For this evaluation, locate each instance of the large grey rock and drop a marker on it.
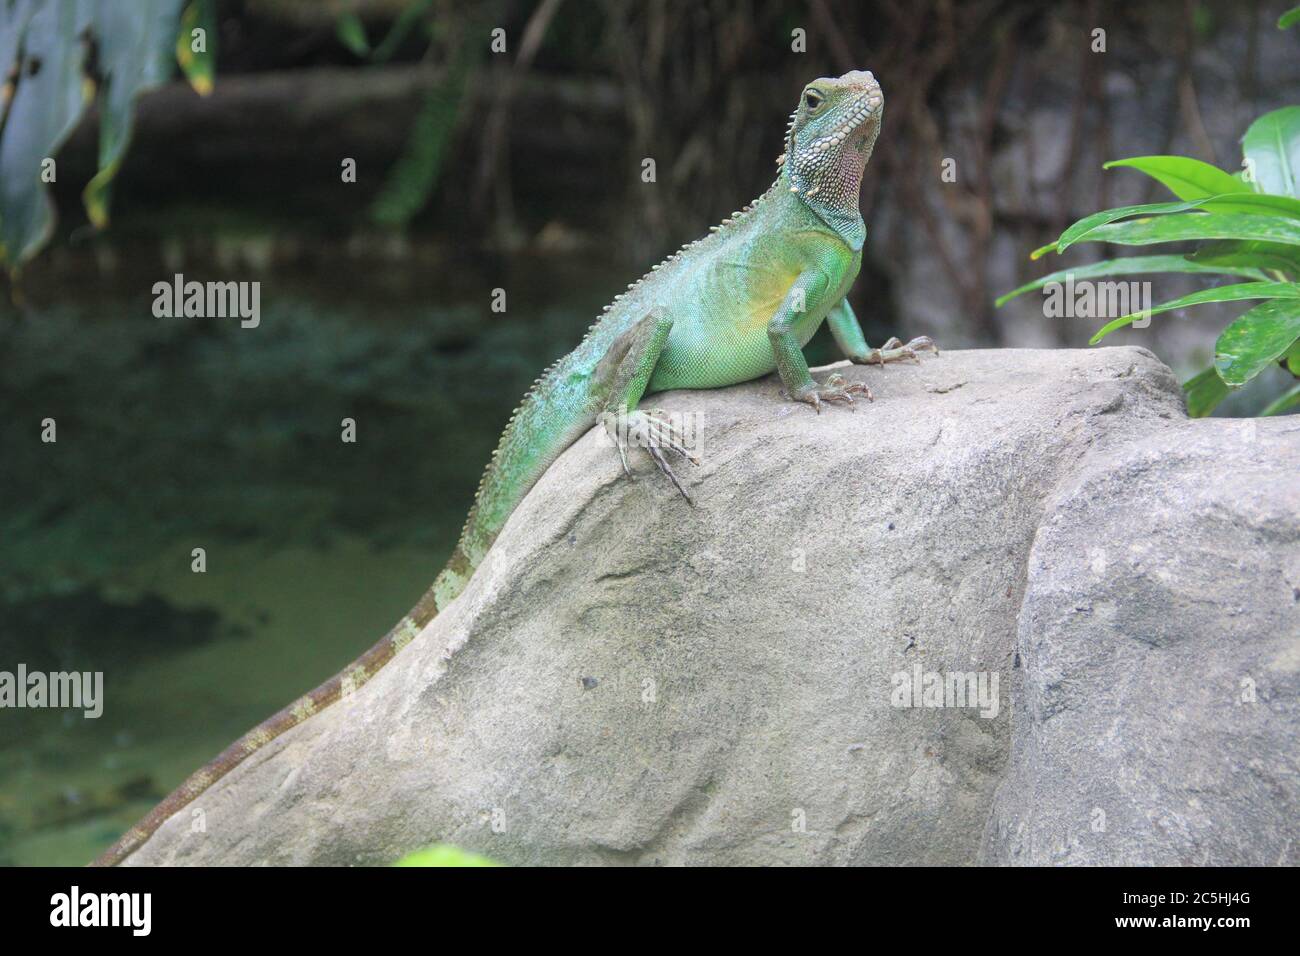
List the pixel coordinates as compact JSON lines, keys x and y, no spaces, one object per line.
{"x":1154,"y":714}
{"x":629,"y":679}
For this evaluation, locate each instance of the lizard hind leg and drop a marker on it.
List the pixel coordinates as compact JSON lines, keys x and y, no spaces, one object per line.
{"x":621,"y":379}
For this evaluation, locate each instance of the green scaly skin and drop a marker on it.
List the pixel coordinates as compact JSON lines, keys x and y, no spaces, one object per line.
{"x":725,"y":309}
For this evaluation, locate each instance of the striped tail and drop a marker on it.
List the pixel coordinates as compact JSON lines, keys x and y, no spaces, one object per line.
{"x":338,"y":686}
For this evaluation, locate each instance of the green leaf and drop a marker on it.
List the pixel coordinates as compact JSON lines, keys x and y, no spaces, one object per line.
{"x":1247,"y":203}
{"x":1080,"y":230}
{"x":1254,"y":204}
{"x":1185,"y":177}
{"x":136,"y":47}
{"x":1293,"y":359}
{"x":1256,"y":340}
{"x":1272,"y":145}
{"x":411,"y":181}
{"x":1204,"y":391}
{"x":1289,"y":19}
{"x":1133,"y":265}
{"x":134,"y":43}
{"x":1223,"y":293}
{"x":198,"y":65}
{"x":1260,"y":255}
{"x":442,"y":854}
{"x":14,"y":18}
{"x":1284,"y":402}
{"x":47,"y":101}
{"x":352,"y":34}
{"x":411,"y":14}
{"x":1141,"y":232}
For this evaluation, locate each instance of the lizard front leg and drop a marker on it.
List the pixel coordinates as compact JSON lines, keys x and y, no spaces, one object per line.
{"x":804,"y":296}
{"x":847,"y":332}
{"x":620,"y":380}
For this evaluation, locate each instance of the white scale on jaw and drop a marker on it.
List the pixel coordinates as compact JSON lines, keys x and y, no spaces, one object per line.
{"x":863,"y":108}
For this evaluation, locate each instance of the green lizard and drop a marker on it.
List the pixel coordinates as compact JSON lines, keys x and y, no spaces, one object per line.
{"x":725,"y":309}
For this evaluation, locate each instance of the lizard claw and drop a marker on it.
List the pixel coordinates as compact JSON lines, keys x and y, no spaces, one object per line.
{"x":656,"y":434}
{"x":834,"y":390}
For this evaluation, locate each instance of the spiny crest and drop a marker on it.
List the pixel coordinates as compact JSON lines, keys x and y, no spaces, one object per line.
{"x":737,"y":216}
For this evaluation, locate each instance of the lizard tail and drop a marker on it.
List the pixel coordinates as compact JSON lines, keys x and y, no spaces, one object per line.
{"x":338,"y":686}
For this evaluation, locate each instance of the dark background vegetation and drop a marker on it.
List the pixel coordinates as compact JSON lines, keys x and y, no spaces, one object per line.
{"x":479,"y":171}
{"x":539,"y":148}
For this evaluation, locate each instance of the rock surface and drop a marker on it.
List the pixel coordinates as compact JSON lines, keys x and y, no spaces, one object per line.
{"x":1155,"y":713}
{"x":630,"y":680}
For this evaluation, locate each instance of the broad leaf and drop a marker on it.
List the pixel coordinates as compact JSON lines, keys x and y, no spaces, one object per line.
{"x":1141,"y":232}
{"x":14,"y":17}
{"x":1245,"y":203}
{"x":46,"y":103}
{"x":1284,"y":402}
{"x":1289,"y":19}
{"x":1272,"y":144}
{"x":1204,"y":391}
{"x":1261,"y":255}
{"x":1255,"y":204}
{"x":1185,"y":177}
{"x":1223,"y":293}
{"x":134,"y":43}
{"x":198,"y":65}
{"x":1080,"y":229}
{"x":136,"y":46}
{"x":1256,"y":340}
{"x":1134,"y":265}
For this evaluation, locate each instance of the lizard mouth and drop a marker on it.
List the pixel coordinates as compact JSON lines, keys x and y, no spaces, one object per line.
{"x":854,"y":125}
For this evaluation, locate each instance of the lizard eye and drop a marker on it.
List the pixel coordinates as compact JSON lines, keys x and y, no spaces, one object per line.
{"x":813,"y":99}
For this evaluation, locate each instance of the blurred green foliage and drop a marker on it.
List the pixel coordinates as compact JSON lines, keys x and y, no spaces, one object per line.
{"x":442,"y":854}
{"x":1249,"y":226}
{"x":61,"y":58}
{"x":413,"y":178}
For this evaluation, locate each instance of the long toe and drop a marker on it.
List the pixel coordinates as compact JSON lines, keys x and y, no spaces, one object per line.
{"x":667,"y":469}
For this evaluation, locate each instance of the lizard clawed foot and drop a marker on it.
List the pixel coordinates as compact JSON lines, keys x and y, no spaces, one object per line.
{"x":835,"y":389}
{"x":895,"y":351}
{"x":656,"y":434}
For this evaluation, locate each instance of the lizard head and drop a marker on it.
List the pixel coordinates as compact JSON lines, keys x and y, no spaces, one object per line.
{"x":831,"y":135}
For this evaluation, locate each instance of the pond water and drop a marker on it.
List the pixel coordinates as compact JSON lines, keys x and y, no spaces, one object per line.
{"x":177,"y":434}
